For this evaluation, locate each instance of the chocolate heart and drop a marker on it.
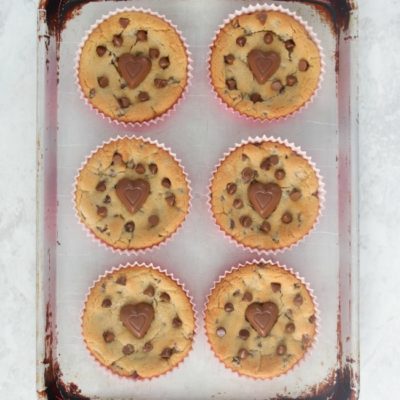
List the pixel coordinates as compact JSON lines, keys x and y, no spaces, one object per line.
{"x":137,"y":318}
{"x":262,"y":316}
{"x":133,"y":69}
{"x":264,"y":197}
{"x":132,"y":194}
{"x":263,"y":64}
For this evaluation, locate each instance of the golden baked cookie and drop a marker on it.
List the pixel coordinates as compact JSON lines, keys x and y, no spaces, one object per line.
{"x":131,"y":194}
{"x":265,"y":64}
{"x":260,"y":320}
{"x":138,"y":322}
{"x":133,"y":66}
{"x":265,"y":195}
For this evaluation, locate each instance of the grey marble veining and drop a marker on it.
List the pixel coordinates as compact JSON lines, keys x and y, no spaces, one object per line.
{"x":379,"y":214}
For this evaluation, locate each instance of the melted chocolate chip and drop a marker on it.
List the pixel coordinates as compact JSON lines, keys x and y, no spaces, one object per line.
{"x":303,"y":65}
{"x":281,"y":350}
{"x":287,"y":218}
{"x":244,"y":334}
{"x":106,"y":303}
{"x":231,"y":84}
{"x":235,"y":23}
{"x":248,"y":174}
{"x":160,"y":83}
{"x":247,"y":297}
{"x":221,"y":332}
{"x":164,"y":62}
{"x":166,"y":353}
{"x":238,"y":204}
{"x":231,"y":223}
{"x":129,"y":226}
{"x":268,"y":38}
{"x":154,"y":53}
{"x":290,"y":327}
{"x":102,"y":212}
{"x":165,"y":297}
{"x":291,"y":80}
{"x":103,"y":81}
{"x":117,"y":40}
{"x":166,"y":183}
{"x":153,"y":168}
{"x":312,"y":319}
{"x":280,"y":174}
{"x":170,"y":199}
{"x":92,"y":93}
{"x":121,"y":280}
{"x":149,"y":291}
{"x":124,"y":102}
{"x":176,"y":322}
{"x":108,"y":336}
{"x":229,"y":59}
{"x":277,"y":86}
{"x":290,"y":44}
{"x":231,"y":188}
{"x":256,"y":98}
{"x":241,"y":41}
{"x":245,"y":221}
{"x":295,"y":194}
{"x":143,"y":96}
{"x":147,"y":347}
{"x":128,"y":349}
{"x":117,"y":158}
{"x":265,"y":227}
{"x":275,"y":286}
{"x":262,"y":17}
{"x":101,"y":50}
{"x":298,"y":299}
{"x":153,"y":220}
{"x":243,"y":354}
{"x":140,"y":169}
{"x":101,"y":186}
{"x":228,"y":307}
{"x":124,"y":22}
{"x":107,"y":200}
{"x":141,"y":35}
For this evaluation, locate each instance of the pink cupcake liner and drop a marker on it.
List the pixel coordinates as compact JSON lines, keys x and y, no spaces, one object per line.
{"x":97,"y":240}
{"x":266,"y":7}
{"x":158,"y":118}
{"x":169,"y":275}
{"x":321,"y":194}
{"x":315,"y":339}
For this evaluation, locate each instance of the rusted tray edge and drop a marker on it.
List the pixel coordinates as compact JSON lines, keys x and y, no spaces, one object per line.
{"x":344,"y":383}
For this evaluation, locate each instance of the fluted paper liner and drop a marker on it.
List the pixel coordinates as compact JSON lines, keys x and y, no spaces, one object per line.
{"x":158,"y":118}
{"x":321,"y":193}
{"x":310,"y":31}
{"x":167,"y":274}
{"x":313,"y":343}
{"x":106,"y":245}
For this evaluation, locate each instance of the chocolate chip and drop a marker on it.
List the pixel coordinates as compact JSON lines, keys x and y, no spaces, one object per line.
{"x":170,"y":199}
{"x":102,"y":211}
{"x":243,"y":354}
{"x":221,"y":332}
{"x":248,"y":174}
{"x":101,"y":186}
{"x":149,"y":291}
{"x":160,"y":83}
{"x":101,"y":50}
{"x":231,"y":188}
{"x":124,"y":102}
{"x":262,"y":17}
{"x":166,"y":353}
{"x":305,"y":341}
{"x":229,"y":59}
{"x":244,"y":334}
{"x":231,"y":84}
{"x":303,"y":65}
{"x":121,"y":280}
{"x":128,"y":349}
{"x":236,"y":293}
{"x":298,"y":299}
{"x":165,"y":297}
{"x":287,"y":218}
{"x":164,"y":62}
{"x":106,"y":303}
{"x":280,"y":174}
{"x":124,"y":22}
{"x":166,"y":183}
{"x":153,"y":220}
{"x":265,"y":164}
{"x":147,"y":347}
{"x":295,"y":194}
{"x":117,"y":40}
{"x":245,"y":157}
{"x":140,"y":169}
{"x":107,"y":200}
{"x":268,"y":38}
{"x":92,"y":93}
{"x":290,"y":44}
{"x":291,"y":80}
{"x":143,"y":96}
{"x":228,"y":307}
{"x":102,"y":81}
{"x":312,"y":319}
{"x":277,"y":86}
{"x":176,"y":322}
{"x":117,"y":158}
{"x":153,"y":168}
{"x":265,"y":227}
{"x":154,"y":53}
{"x":231,"y":223}
{"x":108,"y":336}
{"x":275,"y":286}
{"x":235,"y":23}
{"x":247,"y":297}
{"x":290,"y":327}
{"x":129,"y":226}
{"x":256,"y":98}
{"x":238,"y":204}
{"x":281,"y":350}
{"x":245,"y":221}
{"x":141,"y":35}
{"x":135,"y":375}
{"x":123,"y":85}
{"x":241,"y":41}
{"x":274,"y":159}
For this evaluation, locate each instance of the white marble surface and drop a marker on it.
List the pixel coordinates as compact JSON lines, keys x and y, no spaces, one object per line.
{"x":379,"y":214}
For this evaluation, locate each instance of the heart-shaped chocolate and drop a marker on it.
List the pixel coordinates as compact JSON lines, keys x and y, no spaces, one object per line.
{"x":132,"y":194}
{"x":264,"y":197}
{"x":137,"y":318}
{"x":263,"y":64}
{"x":262,"y":317}
{"x":134,"y":69}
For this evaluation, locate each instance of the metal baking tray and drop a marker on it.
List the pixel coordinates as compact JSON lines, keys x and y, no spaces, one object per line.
{"x":68,"y":262}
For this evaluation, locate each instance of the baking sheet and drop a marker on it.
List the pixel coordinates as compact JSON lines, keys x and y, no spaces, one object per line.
{"x":199,"y":132}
